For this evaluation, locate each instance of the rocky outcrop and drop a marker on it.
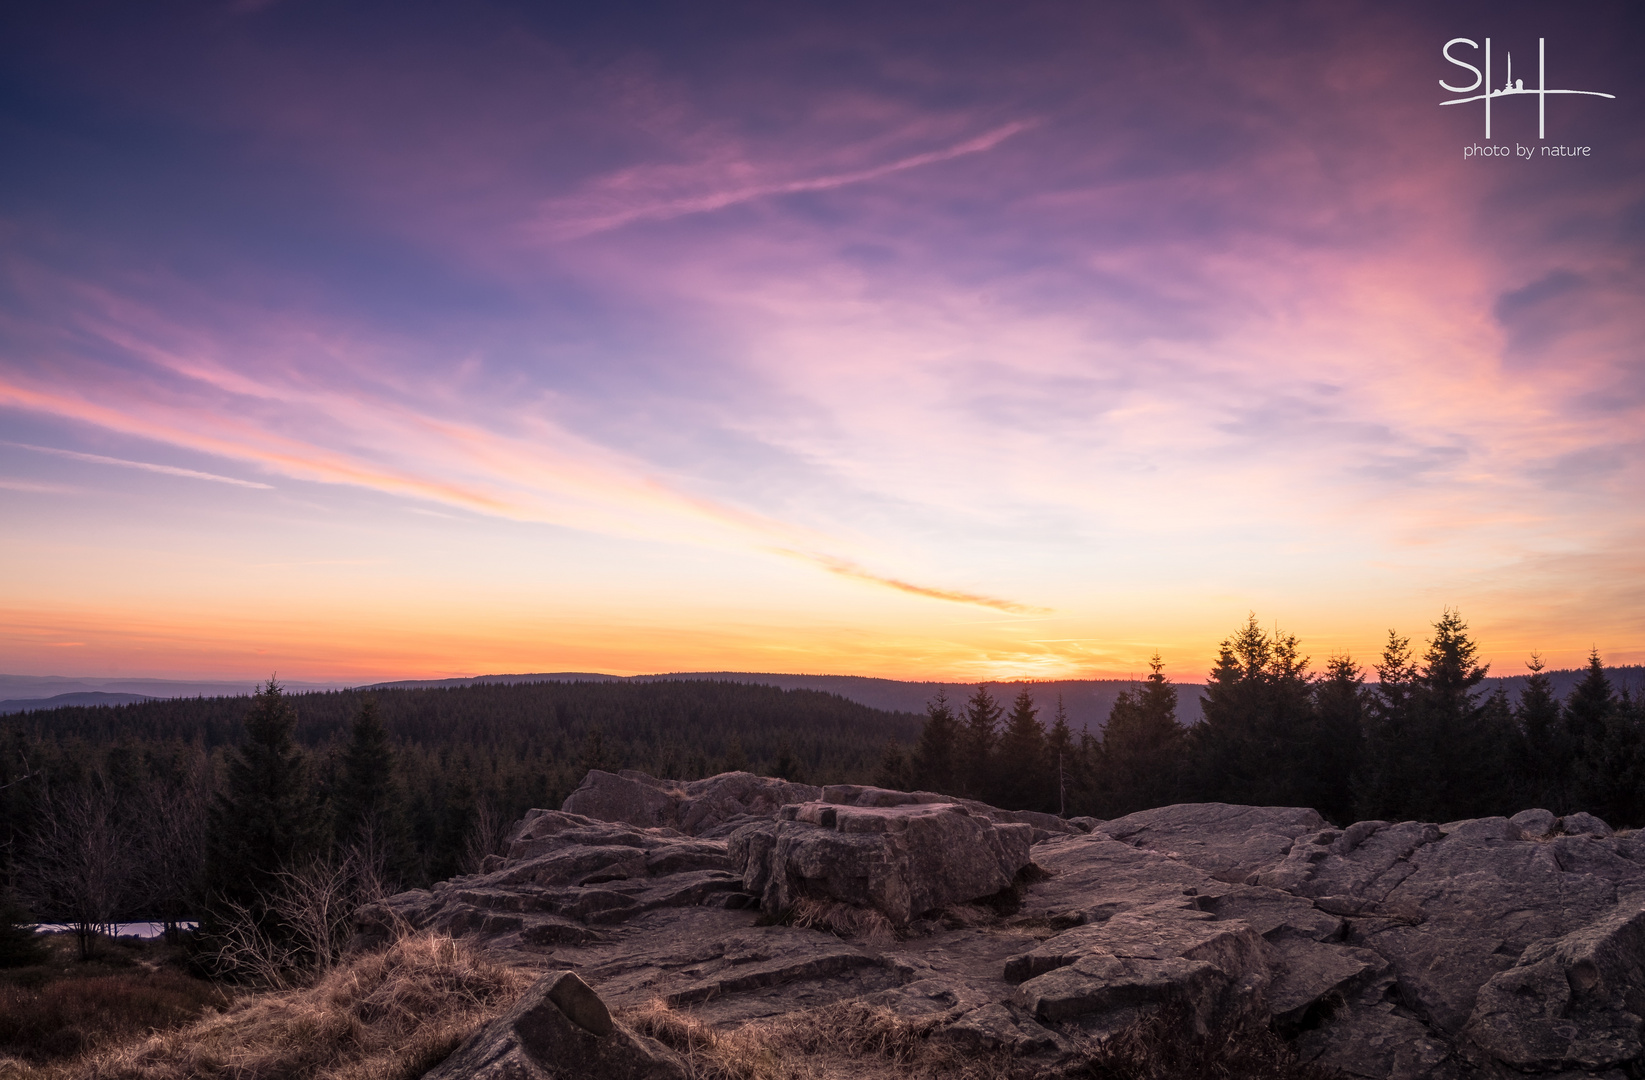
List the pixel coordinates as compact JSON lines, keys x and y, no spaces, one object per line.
{"x":1573,"y":1003}
{"x":708,"y":807}
{"x":560,"y":1030}
{"x":900,"y":861}
{"x":717,"y":806}
{"x":1492,"y":947}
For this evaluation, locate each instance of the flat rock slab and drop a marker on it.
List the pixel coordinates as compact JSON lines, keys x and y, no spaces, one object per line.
{"x":1228,"y":842}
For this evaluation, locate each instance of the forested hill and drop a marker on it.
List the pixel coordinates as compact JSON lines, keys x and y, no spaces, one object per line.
{"x":1086,"y":701}
{"x":464,"y":761}
{"x":1629,"y":677}
{"x":675,"y":728}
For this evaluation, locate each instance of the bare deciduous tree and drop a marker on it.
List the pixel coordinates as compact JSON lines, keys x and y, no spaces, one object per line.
{"x":173,"y":819}
{"x":83,"y":864}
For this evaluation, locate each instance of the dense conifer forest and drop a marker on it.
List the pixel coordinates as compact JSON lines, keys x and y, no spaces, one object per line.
{"x":187,"y":807}
{"x":1417,"y":737}
{"x":435,"y":775}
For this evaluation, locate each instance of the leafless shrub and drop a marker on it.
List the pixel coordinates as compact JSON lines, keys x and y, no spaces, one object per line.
{"x":488,"y":835}
{"x":299,"y":931}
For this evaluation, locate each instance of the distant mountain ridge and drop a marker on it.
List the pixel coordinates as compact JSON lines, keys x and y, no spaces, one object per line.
{"x":1087,"y":701}
{"x":15,"y":688}
{"x":93,"y":697}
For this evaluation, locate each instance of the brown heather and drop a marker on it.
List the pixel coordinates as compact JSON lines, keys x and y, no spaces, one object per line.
{"x":389,"y":1015}
{"x":69,"y":1016}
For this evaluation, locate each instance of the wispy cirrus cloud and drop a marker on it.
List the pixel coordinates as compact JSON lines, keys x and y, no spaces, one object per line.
{"x":146,"y":466}
{"x":847,"y":569}
{"x":38,"y":487}
{"x":621,"y":200}
{"x":518,"y":464}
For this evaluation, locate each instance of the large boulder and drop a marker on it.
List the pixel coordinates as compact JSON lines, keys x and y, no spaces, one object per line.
{"x":559,"y":1030}
{"x":901,"y":861}
{"x":1216,"y":970}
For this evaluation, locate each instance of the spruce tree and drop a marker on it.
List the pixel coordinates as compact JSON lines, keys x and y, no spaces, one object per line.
{"x":1600,"y":728}
{"x":977,"y":738}
{"x":1340,"y":711}
{"x":1433,"y":751}
{"x":1548,"y":755}
{"x":936,"y":756}
{"x":736,"y":758}
{"x":264,"y":819}
{"x":1469,"y":739}
{"x":1021,"y":775}
{"x":896,"y":771}
{"x":1059,"y":758}
{"x":369,"y":806}
{"x":1613,"y":787}
{"x":1256,"y":739}
{"x":788,"y":766}
{"x":1142,"y":748}
{"x":1391,"y":751}
{"x":458,"y":814}
{"x":596,"y":755}
{"x":1589,"y":705}
{"x":1085,"y":790}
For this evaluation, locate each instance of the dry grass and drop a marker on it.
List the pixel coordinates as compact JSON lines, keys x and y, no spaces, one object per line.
{"x":389,"y":1015}
{"x":840,"y":919}
{"x":849,"y":1039}
{"x":865,"y":1042}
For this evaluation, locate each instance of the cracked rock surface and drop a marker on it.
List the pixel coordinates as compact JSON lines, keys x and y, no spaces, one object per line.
{"x":1493,"y":947}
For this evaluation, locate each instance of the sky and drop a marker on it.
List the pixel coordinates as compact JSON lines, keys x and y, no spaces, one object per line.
{"x":960,"y":341}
